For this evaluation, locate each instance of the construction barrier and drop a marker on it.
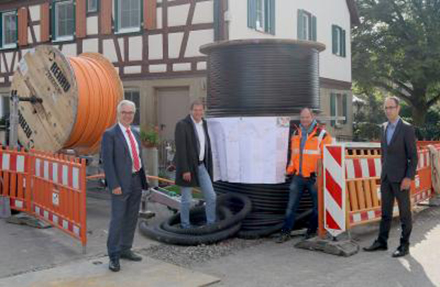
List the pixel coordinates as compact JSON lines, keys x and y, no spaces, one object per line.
{"x":59,"y":192}
{"x":351,"y":186}
{"x":47,"y":186}
{"x":15,"y":178}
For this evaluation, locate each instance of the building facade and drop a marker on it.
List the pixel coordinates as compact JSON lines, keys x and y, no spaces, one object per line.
{"x":154,"y":44}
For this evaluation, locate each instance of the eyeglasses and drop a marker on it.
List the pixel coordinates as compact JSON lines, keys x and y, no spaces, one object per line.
{"x":127,"y":113}
{"x":390,"y":108}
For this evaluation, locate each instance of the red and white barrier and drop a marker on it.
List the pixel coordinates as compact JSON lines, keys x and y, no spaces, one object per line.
{"x":334,"y":189}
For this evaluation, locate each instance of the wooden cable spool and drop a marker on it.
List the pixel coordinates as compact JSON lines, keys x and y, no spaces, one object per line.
{"x":79,"y":98}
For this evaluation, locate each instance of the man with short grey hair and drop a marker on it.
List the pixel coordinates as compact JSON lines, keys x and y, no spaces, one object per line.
{"x":125,"y":176}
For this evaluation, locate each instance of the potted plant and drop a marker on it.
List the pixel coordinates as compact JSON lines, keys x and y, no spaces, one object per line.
{"x":150,"y":136}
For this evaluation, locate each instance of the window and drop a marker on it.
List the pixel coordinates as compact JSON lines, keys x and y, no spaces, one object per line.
{"x":63,"y":17}
{"x":338,"y":41}
{"x":306,"y":26}
{"x":92,"y":5}
{"x":9,"y":29}
{"x":261,"y":15}
{"x":128,"y":15}
{"x":338,"y":108}
{"x":134,"y":96}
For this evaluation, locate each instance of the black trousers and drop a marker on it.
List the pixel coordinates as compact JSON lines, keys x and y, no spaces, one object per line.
{"x":389,"y":192}
{"x":124,"y":216}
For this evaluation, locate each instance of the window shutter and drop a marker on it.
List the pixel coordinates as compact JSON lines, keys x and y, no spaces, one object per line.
{"x":105,"y":16}
{"x":81,"y":20}
{"x":22,"y":18}
{"x":270,"y":16}
{"x":344,"y":108}
{"x":313,"y":29}
{"x":300,"y":31}
{"x":252,"y":14}
{"x":333,"y":108}
{"x":150,"y":10}
{"x":45,"y":22}
{"x":1,"y":29}
{"x":343,"y":43}
{"x":334,"y":39}
{"x":53,"y":26}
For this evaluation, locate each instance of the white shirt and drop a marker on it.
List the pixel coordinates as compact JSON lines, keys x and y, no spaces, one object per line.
{"x":127,"y":139}
{"x":201,"y":136}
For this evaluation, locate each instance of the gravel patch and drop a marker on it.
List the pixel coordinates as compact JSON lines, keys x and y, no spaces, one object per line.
{"x":188,"y":256}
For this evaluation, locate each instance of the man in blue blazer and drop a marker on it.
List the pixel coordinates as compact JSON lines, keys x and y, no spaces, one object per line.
{"x":124,"y":172}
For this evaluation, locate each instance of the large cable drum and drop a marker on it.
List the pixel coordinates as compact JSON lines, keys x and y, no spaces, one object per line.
{"x":78,"y":97}
{"x":262,"y":77}
{"x":253,"y":87}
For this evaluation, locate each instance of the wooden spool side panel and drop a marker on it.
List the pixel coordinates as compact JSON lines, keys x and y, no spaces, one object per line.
{"x":45,"y":73}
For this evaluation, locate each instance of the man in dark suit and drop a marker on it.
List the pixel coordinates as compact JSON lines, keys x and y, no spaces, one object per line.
{"x":125,"y":176}
{"x":399,"y":163}
{"x":194,"y":162}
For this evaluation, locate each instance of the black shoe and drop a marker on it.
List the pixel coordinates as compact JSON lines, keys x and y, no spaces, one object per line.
{"x":130,"y":255}
{"x":401,"y":251}
{"x":114,"y":265}
{"x":376,"y":246}
{"x":283,"y":237}
{"x":309,"y":235}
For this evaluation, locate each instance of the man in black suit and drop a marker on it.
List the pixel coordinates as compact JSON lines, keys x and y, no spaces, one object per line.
{"x":194,"y":162}
{"x":399,"y":163}
{"x":125,"y":176}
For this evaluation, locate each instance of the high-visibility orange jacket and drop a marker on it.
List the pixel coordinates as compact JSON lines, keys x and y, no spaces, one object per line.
{"x":313,"y":150}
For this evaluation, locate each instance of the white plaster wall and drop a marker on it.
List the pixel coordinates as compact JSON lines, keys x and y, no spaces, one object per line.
{"x":109,"y":51}
{"x":159,"y":18}
{"x":69,"y":50}
{"x":327,"y":13}
{"x":34,"y":12}
{"x":92,"y":25}
{"x":201,"y":66}
{"x":204,"y":12}
{"x":197,"y":39}
{"x":155,"y":49}
{"x":121,"y":47}
{"x":135,"y":48}
{"x":174,"y":44}
{"x":8,"y":62}
{"x":182,"y":67}
{"x":157,"y":68}
{"x":132,"y":69}
{"x":90,"y":45}
{"x":177,"y":15}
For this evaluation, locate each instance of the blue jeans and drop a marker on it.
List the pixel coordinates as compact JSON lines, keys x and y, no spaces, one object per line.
{"x":208,"y":193}
{"x":297,"y":187}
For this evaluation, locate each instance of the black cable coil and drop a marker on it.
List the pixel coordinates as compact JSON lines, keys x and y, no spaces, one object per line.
{"x":269,"y":202}
{"x":263,"y":77}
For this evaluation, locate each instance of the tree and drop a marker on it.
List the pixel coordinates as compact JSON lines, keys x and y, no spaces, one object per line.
{"x":397,"y":48}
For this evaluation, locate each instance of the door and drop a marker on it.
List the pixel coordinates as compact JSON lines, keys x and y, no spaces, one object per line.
{"x":173,"y":105}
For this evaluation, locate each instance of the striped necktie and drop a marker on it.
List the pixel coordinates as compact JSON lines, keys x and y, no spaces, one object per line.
{"x":133,"y":151}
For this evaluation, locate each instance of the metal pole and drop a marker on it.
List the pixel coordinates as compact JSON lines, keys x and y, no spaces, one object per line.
{"x":13,"y":120}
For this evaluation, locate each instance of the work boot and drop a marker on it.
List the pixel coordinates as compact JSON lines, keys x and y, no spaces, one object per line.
{"x":283,"y":237}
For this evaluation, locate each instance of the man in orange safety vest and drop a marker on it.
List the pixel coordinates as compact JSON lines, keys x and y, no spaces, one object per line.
{"x":307,"y":144}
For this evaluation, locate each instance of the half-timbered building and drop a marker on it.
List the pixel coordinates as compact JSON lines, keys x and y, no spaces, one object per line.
{"x":154,"y":44}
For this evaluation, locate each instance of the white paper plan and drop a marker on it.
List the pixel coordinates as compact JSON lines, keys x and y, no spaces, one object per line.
{"x":249,"y":149}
